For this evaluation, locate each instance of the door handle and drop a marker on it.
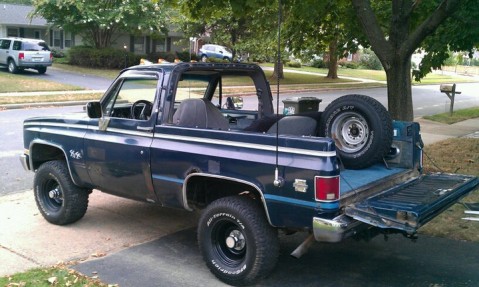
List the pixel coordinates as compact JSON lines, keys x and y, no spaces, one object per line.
{"x":147,"y":129}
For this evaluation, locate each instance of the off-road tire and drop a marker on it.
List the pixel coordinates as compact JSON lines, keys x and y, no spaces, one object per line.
{"x":59,"y":200}
{"x":238,"y":244}
{"x":361,"y":128}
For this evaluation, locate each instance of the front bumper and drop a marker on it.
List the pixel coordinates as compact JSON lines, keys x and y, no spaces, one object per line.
{"x":25,"y":160}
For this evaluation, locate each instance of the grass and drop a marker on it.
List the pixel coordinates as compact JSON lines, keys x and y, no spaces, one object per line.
{"x":432,"y":78}
{"x":23,"y":83}
{"x":458,"y":155}
{"x":49,"y":98}
{"x":457,"y":116}
{"x":53,"y":276}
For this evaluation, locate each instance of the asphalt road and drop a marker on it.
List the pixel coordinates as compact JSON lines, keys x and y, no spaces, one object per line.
{"x":13,"y":177}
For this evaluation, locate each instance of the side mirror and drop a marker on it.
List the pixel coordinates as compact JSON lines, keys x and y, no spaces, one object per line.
{"x":93,"y":110}
{"x":234,"y":103}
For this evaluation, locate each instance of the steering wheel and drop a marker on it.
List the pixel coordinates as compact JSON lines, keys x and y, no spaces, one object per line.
{"x":145,"y":110}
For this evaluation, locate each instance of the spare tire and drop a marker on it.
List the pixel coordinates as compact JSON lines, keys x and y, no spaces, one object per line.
{"x":361,"y":128}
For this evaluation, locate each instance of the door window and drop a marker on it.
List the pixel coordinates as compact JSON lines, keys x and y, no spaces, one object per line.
{"x":138,"y":91}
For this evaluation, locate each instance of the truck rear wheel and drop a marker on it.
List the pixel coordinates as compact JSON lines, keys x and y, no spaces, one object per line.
{"x":59,"y":200}
{"x":238,"y":244}
{"x":361,"y":128}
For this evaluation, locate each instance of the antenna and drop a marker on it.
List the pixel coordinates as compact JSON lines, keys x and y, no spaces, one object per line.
{"x":278,"y":182}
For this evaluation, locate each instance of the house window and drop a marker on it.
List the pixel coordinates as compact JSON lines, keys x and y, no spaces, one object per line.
{"x":139,"y":45}
{"x":68,"y":39}
{"x":36,"y":34}
{"x":56,"y":38}
{"x":12,"y":32}
{"x":160,"y":45}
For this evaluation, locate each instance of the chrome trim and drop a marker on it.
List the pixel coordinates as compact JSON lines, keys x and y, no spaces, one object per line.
{"x":247,"y":145}
{"x":334,"y":230}
{"x":24,"y":159}
{"x":185,"y":199}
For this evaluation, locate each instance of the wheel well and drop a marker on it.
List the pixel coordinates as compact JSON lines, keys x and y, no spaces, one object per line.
{"x":202,"y":190}
{"x":41,"y":153}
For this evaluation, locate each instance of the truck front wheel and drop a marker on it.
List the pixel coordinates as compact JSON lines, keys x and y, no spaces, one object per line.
{"x":59,"y":200}
{"x":238,"y":244}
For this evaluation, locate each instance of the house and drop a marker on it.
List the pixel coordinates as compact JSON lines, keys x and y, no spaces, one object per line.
{"x":15,"y":22}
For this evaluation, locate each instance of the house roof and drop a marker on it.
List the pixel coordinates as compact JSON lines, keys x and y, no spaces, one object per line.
{"x":14,"y":14}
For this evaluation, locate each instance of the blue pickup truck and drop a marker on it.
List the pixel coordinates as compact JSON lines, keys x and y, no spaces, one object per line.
{"x":206,"y":136}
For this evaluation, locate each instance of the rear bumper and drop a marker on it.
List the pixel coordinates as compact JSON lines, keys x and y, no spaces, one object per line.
{"x":25,"y":160}
{"x":34,"y":64}
{"x":336,"y":229}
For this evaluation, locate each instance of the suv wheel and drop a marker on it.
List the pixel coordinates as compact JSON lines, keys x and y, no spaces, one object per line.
{"x":12,"y":67}
{"x":42,"y":70}
{"x":204,"y":58}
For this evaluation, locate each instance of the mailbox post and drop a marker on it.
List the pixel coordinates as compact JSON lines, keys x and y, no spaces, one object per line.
{"x":450,"y":91}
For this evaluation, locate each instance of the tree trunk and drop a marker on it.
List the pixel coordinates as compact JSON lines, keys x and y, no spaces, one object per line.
{"x":399,"y":89}
{"x":333,"y":60}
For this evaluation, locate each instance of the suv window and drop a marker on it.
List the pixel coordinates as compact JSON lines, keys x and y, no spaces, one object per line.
{"x":5,"y":44}
{"x":35,"y":46}
{"x":17,"y":45}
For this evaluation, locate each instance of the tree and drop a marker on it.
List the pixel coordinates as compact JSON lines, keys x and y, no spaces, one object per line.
{"x":100,"y":20}
{"x":315,"y":26}
{"x":247,"y":27}
{"x":396,"y":29}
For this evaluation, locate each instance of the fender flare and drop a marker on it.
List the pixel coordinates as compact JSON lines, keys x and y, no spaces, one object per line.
{"x":208,"y":175}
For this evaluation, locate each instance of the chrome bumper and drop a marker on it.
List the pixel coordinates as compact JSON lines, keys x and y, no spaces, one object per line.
{"x":25,"y":160}
{"x":336,"y":229}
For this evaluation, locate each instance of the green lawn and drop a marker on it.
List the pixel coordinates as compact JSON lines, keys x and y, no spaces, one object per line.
{"x":457,"y":116}
{"x":23,"y":83}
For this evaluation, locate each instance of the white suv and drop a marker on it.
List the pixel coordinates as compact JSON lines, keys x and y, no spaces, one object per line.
{"x":215,"y":51}
{"x":22,"y":53}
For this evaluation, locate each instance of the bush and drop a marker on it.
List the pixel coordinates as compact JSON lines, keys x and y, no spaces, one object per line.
{"x":57,"y":53}
{"x":184,"y":56}
{"x":369,"y":60}
{"x":318,"y":63}
{"x":350,"y":65}
{"x":167,"y":56}
{"x":109,"y":58}
{"x":293,"y":64}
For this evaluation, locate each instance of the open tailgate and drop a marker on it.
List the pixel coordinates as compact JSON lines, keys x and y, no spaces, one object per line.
{"x":410,"y":205}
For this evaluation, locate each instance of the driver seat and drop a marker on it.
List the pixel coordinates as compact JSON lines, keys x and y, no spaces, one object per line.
{"x":200,"y":113}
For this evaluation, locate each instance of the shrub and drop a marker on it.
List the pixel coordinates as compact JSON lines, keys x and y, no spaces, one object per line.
{"x":350,"y":65}
{"x":57,"y":53}
{"x":109,"y":58}
{"x":369,"y":60}
{"x":167,"y":56}
{"x":318,"y":63}
{"x":293,"y":64}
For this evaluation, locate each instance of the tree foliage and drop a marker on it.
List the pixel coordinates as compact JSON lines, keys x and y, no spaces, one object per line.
{"x":100,"y":20}
{"x":313,"y":27}
{"x":241,"y":25}
{"x":396,"y":29}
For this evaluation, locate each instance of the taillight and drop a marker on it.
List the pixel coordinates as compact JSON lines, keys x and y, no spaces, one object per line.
{"x":21,"y":56}
{"x":51,"y":56}
{"x":326,"y":188}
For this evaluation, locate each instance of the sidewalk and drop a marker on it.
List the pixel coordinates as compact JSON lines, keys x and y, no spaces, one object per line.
{"x":432,"y":132}
{"x":110,"y":225}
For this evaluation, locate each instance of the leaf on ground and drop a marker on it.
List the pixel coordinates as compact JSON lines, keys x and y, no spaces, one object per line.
{"x":53,"y":280}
